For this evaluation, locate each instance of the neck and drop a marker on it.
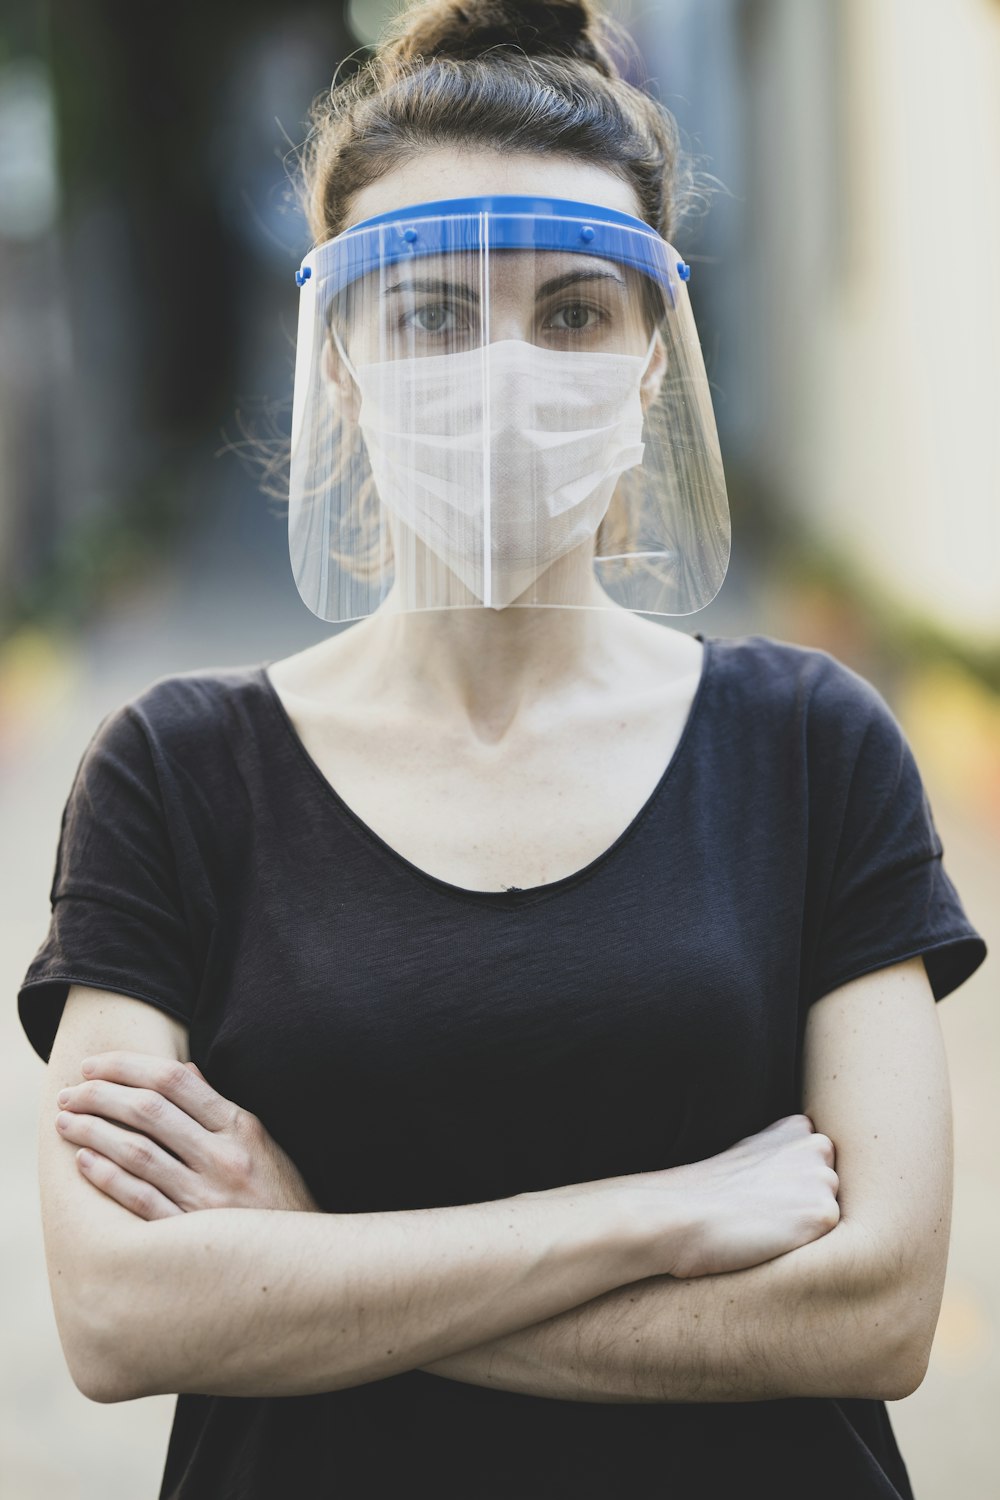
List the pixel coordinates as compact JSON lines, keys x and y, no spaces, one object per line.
{"x":489,"y":668}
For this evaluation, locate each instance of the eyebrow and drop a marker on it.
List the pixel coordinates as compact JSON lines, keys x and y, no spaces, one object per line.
{"x":557,"y":283}
{"x":456,"y":289}
{"x":448,"y":288}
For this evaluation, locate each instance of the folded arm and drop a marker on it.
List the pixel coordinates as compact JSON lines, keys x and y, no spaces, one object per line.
{"x":529,"y":1294}
{"x":817,"y":1321}
{"x":850,"y":1314}
{"x":245,"y":1301}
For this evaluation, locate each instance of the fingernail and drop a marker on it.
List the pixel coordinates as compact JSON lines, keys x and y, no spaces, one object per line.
{"x":87,"y":1066}
{"x":62,"y":1096}
{"x":84,"y":1157}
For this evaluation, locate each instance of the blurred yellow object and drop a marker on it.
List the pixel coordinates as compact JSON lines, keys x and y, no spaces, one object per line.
{"x":964,"y":1336}
{"x":37,"y":669}
{"x":953,"y":723}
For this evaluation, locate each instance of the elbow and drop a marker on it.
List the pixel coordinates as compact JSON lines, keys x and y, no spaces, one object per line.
{"x":913,"y":1357}
{"x":900,"y":1359}
{"x":99,"y":1354}
{"x":899,"y":1376}
{"x":95,"y":1374}
{"x":890,"y":1372}
{"x":99,"y":1384}
{"x":896,"y":1300}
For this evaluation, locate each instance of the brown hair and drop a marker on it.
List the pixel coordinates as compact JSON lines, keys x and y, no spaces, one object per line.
{"x":514,"y":77}
{"x":496,"y":74}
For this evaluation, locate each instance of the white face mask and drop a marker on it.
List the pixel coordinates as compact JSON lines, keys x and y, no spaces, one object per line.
{"x":502,"y":458}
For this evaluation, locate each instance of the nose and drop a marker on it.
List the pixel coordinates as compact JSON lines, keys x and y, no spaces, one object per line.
{"x":508,"y":323}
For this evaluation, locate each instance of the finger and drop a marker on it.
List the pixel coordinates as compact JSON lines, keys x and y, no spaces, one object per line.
{"x":140,"y":1157}
{"x":139,"y":1198}
{"x":170,"y":1078}
{"x":149,"y":1113}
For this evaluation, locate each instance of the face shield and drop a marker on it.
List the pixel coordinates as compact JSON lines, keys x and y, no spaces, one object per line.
{"x":501,"y":402}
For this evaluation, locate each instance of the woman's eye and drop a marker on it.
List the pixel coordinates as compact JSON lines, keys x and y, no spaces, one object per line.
{"x":436,"y":317}
{"x":574,"y":316}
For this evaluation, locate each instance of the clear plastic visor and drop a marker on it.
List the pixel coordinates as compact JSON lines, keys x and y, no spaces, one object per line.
{"x":501,"y":426}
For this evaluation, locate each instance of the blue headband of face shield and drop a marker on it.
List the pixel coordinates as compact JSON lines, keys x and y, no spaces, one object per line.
{"x":501,"y":222}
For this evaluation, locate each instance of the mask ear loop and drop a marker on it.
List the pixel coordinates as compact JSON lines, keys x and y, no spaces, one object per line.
{"x":344,"y":355}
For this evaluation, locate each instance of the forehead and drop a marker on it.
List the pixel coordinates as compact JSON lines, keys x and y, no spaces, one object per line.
{"x":456,"y":173}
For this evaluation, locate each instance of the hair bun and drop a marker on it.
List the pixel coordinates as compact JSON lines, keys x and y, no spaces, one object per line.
{"x":465,"y":30}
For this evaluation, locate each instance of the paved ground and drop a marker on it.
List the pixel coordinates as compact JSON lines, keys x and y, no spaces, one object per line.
{"x":235,"y":602}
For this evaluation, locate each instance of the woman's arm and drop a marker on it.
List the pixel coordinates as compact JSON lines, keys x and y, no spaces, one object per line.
{"x":255,"y":1301}
{"x":198,"y":1337}
{"x":185,"y":1148}
{"x":850,"y":1314}
{"x":818,"y":1321}
{"x":258,"y":1302}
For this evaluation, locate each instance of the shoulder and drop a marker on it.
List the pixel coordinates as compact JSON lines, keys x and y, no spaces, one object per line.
{"x":783,"y":666}
{"x":807,"y":684}
{"x":181,"y":727}
{"x":184,"y":708}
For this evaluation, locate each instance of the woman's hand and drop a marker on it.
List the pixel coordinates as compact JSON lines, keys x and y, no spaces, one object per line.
{"x":184,"y":1146}
{"x":769,"y":1193}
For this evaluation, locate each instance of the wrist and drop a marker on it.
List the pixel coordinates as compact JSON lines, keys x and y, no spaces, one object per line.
{"x":633,"y":1226}
{"x":665,"y":1227}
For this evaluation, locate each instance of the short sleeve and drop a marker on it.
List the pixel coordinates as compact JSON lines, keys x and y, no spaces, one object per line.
{"x":884,"y":893}
{"x":118,"y":915}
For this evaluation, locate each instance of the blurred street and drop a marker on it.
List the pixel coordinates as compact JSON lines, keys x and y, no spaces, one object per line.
{"x":233,"y":601}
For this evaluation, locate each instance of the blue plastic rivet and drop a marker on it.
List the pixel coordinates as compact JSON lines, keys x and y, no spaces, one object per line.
{"x":586,"y":233}
{"x":409,"y":235}
{"x":683,"y":270}
{"x":303,"y":276}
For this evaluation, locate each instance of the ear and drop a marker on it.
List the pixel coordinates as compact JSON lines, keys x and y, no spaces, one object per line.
{"x":344,"y":392}
{"x":656,"y":369}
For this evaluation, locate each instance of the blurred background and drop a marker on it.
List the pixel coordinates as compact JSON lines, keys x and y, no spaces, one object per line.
{"x":845,"y":285}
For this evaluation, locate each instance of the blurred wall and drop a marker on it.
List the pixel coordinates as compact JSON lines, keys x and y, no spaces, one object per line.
{"x":148,"y":239}
{"x":852,"y":268}
{"x":33,"y":331}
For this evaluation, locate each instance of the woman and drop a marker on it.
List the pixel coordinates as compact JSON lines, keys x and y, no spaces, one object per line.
{"x":516,"y":977}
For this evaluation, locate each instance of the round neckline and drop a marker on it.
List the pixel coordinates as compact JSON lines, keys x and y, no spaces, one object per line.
{"x":511,"y":896}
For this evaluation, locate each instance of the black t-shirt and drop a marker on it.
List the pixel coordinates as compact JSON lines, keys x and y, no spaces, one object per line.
{"x":411,"y":1043}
